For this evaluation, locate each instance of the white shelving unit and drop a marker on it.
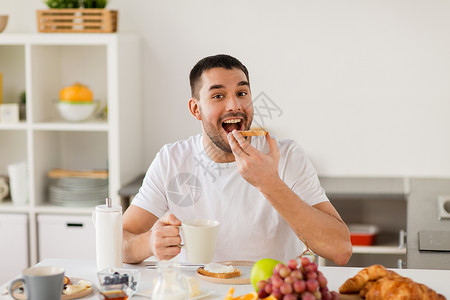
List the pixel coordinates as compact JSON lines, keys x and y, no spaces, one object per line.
{"x":41,"y":64}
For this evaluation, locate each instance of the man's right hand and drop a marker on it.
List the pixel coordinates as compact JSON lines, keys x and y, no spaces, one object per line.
{"x":145,"y":235}
{"x":165,"y":237}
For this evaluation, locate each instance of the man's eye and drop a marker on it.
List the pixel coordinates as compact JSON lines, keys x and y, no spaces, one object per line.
{"x":242,"y":94}
{"x":217,"y":96}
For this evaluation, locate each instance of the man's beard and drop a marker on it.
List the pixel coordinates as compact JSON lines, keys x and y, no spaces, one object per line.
{"x":217,"y":139}
{"x":215,"y":136}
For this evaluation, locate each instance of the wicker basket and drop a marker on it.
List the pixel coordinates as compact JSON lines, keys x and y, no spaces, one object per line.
{"x":77,"y":20}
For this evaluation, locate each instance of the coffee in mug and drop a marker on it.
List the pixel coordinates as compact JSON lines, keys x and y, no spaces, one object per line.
{"x":200,"y":236}
{"x":40,"y":283}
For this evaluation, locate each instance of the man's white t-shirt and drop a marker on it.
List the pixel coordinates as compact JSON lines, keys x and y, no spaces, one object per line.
{"x":183,"y":180}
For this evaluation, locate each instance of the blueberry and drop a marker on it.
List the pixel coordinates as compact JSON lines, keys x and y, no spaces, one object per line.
{"x":108,"y":280}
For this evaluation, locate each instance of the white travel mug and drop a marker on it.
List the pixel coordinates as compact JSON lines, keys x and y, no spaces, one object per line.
{"x":108,"y":235}
{"x":18,"y":182}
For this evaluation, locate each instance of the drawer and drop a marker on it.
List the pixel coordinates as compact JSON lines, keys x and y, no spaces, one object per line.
{"x":66,"y":236}
{"x":13,"y":245}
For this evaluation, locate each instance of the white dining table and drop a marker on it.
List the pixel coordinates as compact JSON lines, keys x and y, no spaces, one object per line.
{"x":439,"y":280}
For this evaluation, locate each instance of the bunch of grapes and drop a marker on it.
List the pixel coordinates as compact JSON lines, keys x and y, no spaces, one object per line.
{"x":296,"y":281}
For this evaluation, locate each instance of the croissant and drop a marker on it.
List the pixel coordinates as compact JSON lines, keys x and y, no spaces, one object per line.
{"x":357,"y":282}
{"x":400,"y":288}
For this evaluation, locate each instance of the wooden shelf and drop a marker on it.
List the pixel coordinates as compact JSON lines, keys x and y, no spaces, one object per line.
{"x":53,"y":209}
{"x":378,"y":250}
{"x":13,"y":126}
{"x":8,"y":207}
{"x":365,"y":188}
{"x":97,"y":125}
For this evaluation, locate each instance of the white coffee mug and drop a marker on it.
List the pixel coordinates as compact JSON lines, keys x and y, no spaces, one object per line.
{"x":199,"y":237}
{"x":40,"y":283}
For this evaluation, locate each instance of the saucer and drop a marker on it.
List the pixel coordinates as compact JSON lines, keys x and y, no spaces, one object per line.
{"x":22,"y":296}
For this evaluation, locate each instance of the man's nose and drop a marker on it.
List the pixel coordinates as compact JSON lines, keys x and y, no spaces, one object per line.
{"x":233,"y":104}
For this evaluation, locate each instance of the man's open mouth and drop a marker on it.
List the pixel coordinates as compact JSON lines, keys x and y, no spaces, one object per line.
{"x":231,"y":124}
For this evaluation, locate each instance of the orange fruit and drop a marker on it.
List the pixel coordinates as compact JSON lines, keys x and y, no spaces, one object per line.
{"x":249,"y":296}
{"x":76,"y":92}
{"x":230,"y":293}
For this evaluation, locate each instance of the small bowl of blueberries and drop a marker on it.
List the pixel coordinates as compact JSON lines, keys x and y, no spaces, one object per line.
{"x":118,"y":283}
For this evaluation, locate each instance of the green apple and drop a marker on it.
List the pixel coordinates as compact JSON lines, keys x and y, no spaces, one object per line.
{"x":262,"y":270}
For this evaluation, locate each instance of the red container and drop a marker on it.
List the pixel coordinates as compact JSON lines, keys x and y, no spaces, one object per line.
{"x":362,"y":235}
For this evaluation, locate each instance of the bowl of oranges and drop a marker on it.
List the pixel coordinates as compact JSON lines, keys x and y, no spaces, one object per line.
{"x":3,"y":22}
{"x":76,"y":103}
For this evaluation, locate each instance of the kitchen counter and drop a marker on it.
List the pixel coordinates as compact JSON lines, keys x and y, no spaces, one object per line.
{"x":423,"y":215}
{"x":86,"y":269}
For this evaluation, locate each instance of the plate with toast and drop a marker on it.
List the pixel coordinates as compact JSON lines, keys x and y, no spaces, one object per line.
{"x":239,"y":275}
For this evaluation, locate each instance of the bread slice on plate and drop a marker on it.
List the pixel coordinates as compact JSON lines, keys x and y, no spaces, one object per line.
{"x":236,"y":272}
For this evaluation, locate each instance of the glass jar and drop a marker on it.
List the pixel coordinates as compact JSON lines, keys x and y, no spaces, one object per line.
{"x":170,"y":284}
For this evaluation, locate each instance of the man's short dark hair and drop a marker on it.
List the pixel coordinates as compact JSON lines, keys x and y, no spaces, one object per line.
{"x":210,"y":62}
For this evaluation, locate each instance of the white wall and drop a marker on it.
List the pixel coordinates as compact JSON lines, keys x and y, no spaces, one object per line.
{"x":363,"y":86}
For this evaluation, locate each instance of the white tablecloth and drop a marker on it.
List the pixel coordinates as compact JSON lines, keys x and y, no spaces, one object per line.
{"x":439,"y":280}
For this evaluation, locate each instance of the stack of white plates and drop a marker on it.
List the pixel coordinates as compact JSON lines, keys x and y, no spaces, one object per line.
{"x":78,"y":191}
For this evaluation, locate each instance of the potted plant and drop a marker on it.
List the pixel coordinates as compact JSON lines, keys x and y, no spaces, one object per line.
{"x":22,"y":106}
{"x":62,"y":3}
{"x":94,"y":3}
{"x":76,"y":3}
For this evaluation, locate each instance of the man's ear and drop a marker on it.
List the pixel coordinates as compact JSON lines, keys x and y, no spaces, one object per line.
{"x":194,"y":108}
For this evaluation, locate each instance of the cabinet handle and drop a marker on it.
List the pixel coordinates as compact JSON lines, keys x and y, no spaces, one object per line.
{"x":402,"y":238}
{"x":74,"y":224}
{"x":399,"y":263}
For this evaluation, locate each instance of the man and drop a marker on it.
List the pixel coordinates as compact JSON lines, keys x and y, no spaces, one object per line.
{"x":264,"y":192}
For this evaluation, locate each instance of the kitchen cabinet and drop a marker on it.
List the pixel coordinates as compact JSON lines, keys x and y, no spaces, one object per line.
{"x":375,"y":201}
{"x":65,"y":236}
{"x":42,"y":64}
{"x":14,"y":245}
